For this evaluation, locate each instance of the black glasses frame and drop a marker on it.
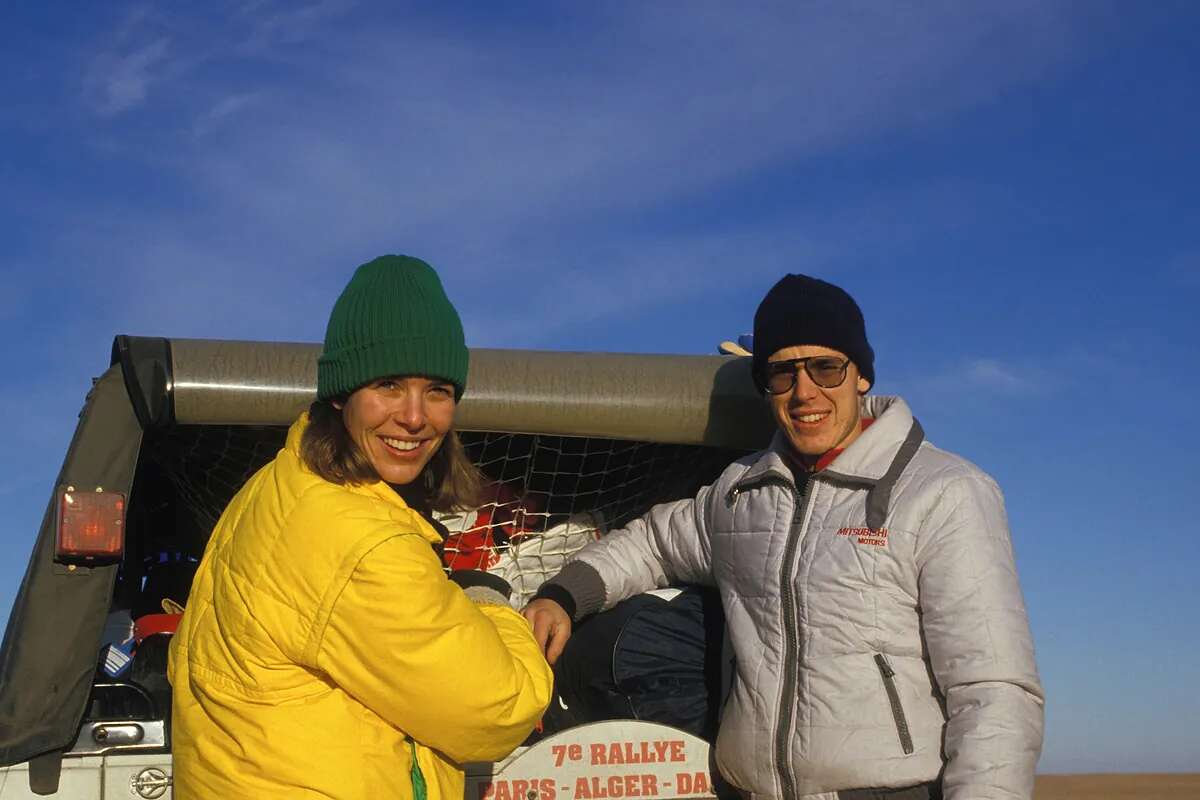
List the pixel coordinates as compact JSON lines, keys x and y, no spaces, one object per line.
{"x":776,"y":368}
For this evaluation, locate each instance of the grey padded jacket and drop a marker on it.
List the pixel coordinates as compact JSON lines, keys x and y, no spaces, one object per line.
{"x":878,"y":629}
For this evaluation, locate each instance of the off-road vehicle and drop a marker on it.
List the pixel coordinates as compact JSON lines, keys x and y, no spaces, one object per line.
{"x":577,"y":444}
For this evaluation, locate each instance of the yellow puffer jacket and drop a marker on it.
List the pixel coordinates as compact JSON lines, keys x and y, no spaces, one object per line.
{"x":321,"y":635}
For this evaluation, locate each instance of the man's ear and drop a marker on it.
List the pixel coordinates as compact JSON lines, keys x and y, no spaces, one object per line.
{"x":864,"y":385}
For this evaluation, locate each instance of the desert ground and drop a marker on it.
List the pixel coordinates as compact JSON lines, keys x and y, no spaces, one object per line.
{"x":1173,"y":786}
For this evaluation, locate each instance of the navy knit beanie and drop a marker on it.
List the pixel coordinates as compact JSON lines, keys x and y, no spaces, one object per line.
{"x":393,"y":318}
{"x":800,"y":310}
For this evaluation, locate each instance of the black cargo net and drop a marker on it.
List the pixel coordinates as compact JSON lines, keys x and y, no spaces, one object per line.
{"x":548,"y":496}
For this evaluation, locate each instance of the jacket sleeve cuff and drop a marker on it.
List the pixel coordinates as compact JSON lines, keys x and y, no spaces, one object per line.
{"x":552,"y":591}
{"x":583,"y":587}
{"x":482,"y":587}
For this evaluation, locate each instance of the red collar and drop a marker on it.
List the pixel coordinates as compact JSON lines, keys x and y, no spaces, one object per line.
{"x":828,"y":458}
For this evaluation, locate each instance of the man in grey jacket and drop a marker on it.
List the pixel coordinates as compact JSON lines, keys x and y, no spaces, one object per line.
{"x":880,"y":638}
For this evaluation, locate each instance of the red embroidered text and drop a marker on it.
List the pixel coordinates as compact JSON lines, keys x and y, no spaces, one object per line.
{"x":874,"y":536}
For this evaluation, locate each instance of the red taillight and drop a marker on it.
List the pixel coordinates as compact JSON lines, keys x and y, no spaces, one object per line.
{"x":91,"y":525}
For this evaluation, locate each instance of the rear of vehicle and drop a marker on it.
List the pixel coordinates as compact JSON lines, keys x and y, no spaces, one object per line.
{"x":575,"y":443}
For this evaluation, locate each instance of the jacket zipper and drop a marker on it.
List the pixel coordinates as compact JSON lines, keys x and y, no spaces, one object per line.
{"x":791,"y":658}
{"x":889,"y":684}
{"x":762,"y":480}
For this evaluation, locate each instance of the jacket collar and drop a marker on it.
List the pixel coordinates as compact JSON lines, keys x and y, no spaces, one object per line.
{"x":865,"y":461}
{"x":377,"y":490}
{"x":771,"y":465}
{"x":870,"y":456}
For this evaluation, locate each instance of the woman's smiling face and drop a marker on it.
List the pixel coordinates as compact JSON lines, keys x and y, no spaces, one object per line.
{"x":399,"y":422}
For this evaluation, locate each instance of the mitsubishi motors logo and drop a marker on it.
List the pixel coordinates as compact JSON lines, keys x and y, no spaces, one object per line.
{"x":872,"y":536}
{"x":150,"y":783}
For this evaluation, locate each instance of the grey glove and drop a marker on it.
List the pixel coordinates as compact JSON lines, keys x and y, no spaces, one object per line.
{"x":482,"y":587}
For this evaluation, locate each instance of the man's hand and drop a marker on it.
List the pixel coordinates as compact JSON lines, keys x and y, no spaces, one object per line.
{"x":551,"y":626}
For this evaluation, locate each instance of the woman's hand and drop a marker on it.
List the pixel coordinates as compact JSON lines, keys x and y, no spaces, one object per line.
{"x":551,"y":626}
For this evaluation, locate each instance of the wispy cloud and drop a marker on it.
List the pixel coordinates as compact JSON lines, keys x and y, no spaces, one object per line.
{"x":631,"y":275}
{"x":118,"y":81}
{"x":224,"y":108}
{"x":975,"y":381}
{"x":271,"y":24}
{"x":453,"y":142}
{"x":150,"y":50}
{"x":990,"y":373}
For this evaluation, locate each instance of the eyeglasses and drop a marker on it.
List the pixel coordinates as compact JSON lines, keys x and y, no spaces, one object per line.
{"x":828,"y":372}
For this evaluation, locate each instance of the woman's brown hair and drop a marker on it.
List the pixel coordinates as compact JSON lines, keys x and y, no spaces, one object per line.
{"x":451,"y":480}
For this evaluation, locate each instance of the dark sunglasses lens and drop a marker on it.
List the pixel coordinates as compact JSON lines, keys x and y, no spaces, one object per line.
{"x":780,"y":380}
{"x":827,"y":372}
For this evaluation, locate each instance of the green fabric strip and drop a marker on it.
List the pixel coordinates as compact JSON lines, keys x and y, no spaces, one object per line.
{"x":418,"y":778}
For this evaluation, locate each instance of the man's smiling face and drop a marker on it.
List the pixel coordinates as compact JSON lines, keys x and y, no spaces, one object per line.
{"x":815,"y":419}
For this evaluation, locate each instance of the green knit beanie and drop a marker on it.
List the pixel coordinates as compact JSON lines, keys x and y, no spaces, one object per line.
{"x":393,"y":318}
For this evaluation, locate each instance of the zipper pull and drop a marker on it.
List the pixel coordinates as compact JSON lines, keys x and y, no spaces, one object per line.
{"x":884,"y":666}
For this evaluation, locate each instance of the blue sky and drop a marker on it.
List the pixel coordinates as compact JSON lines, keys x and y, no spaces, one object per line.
{"x":1010,"y":189}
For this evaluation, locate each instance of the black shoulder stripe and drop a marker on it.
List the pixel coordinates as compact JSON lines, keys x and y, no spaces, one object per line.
{"x":880,"y":495}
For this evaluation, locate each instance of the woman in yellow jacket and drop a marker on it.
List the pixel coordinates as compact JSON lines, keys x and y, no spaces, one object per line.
{"x":324,"y":653}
